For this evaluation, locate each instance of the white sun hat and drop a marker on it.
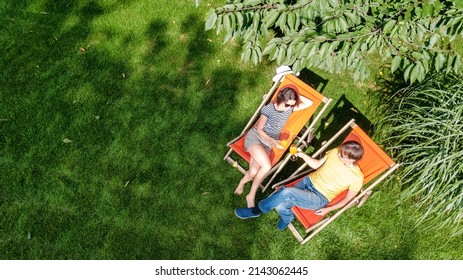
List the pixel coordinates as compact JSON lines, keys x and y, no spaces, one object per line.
{"x":281,"y":71}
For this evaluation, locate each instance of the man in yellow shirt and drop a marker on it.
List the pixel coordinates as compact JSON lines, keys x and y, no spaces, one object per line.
{"x":336,"y":172}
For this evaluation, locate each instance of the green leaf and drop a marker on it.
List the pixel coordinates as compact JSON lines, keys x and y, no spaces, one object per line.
{"x":256,"y":20}
{"x":352,"y":17}
{"x":395,"y":63}
{"x":320,"y":38}
{"x":228,"y":36}
{"x":437,"y":6}
{"x":457,"y":64}
{"x":333,"y":3}
{"x":415,"y":73}
{"x":291,"y":20}
{"x":297,"y":66}
{"x":269,"y":48}
{"x":289,"y":54}
{"x":211,"y":20}
{"x":309,"y":33}
{"x":227,"y":22}
{"x":255,"y":57}
{"x":450,"y":60}
{"x":229,"y":7}
{"x":330,"y":26}
{"x":246,"y":55}
{"x":427,"y":10}
{"x":251,"y":2}
{"x":329,"y":63}
{"x":276,"y":40}
{"x":271,"y":17}
{"x":421,"y":72}
{"x":313,"y":50}
{"x":273,"y":54}
{"x":343,"y":24}
{"x":354,"y":50}
{"x":240,"y":20}
{"x":417,"y":55}
{"x":345,"y":47}
{"x":281,"y":20}
{"x":232,"y":21}
{"x":388,"y":26}
{"x":324,"y":50}
{"x":434,"y":38}
{"x":407,"y":72}
{"x":281,"y":55}
{"x":420,"y":31}
{"x":306,"y":49}
{"x":298,"y":49}
{"x":425,"y":63}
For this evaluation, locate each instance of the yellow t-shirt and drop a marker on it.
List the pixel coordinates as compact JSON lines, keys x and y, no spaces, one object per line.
{"x":333,"y":177}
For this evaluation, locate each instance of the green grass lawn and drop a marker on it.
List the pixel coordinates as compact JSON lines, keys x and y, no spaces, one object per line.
{"x":114,"y":119}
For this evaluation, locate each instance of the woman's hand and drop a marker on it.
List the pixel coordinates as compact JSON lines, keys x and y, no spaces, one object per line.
{"x":277,"y":144}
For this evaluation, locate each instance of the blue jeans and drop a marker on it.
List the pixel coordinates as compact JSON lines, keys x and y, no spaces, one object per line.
{"x":303,"y":195}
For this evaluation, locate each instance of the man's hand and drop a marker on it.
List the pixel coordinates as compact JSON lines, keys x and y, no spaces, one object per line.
{"x":322,"y":212}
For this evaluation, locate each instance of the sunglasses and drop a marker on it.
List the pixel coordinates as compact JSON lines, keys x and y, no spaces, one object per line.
{"x":289,"y":105}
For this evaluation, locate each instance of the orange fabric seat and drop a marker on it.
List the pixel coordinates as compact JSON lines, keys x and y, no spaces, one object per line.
{"x":292,"y":129}
{"x":295,"y":123}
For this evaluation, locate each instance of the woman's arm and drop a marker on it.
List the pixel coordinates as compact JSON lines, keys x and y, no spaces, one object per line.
{"x":305,"y":103}
{"x":260,"y":130}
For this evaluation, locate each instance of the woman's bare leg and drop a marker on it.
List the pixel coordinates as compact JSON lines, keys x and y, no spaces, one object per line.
{"x":261,"y":157}
{"x":248,"y":176}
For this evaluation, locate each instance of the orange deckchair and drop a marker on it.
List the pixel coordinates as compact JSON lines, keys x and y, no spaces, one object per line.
{"x":292,"y":129}
{"x":374,"y":163}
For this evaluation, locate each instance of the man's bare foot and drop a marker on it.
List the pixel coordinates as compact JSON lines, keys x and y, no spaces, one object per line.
{"x":239,"y":190}
{"x":250,"y":201}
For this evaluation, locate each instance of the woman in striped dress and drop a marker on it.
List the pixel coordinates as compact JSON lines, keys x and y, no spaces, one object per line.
{"x":264,"y":136}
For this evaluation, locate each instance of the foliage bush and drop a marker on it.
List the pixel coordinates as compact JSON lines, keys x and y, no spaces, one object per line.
{"x":416,"y":36}
{"x":425,"y":128}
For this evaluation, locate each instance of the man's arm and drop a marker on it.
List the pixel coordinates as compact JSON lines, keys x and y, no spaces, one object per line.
{"x":349,"y":196}
{"x":312,"y":162}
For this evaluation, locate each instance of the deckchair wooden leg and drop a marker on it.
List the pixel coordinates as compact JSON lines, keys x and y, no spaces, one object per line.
{"x":296,"y":233}
{"x":228,"y":154}
{"x":364,"y":198}
{"x":317,"y":225}
{"x":283,"y":163}
{"x":235,"y":164}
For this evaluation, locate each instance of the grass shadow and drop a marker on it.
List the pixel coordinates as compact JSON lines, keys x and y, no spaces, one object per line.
{"x":341,"y":112}
{"x":313,"y":79}
{"x":111,"y":171}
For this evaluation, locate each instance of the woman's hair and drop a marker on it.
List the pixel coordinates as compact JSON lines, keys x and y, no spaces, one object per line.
{"x":287,"y":94}
{"x":352,"y":150}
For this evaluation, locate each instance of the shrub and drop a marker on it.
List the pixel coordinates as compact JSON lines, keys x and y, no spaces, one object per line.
{"x":424,"y":127}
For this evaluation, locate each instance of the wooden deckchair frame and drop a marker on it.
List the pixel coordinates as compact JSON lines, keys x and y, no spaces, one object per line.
{"x":302,"y":140}
{"x":359,"y":199}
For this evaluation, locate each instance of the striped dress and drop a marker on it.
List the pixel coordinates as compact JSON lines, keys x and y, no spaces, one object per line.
{"x":276,"y":120}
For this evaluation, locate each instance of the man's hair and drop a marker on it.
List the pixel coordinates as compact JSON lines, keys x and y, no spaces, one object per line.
{"x":352,"y":150}
{"x":287,"y":94}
